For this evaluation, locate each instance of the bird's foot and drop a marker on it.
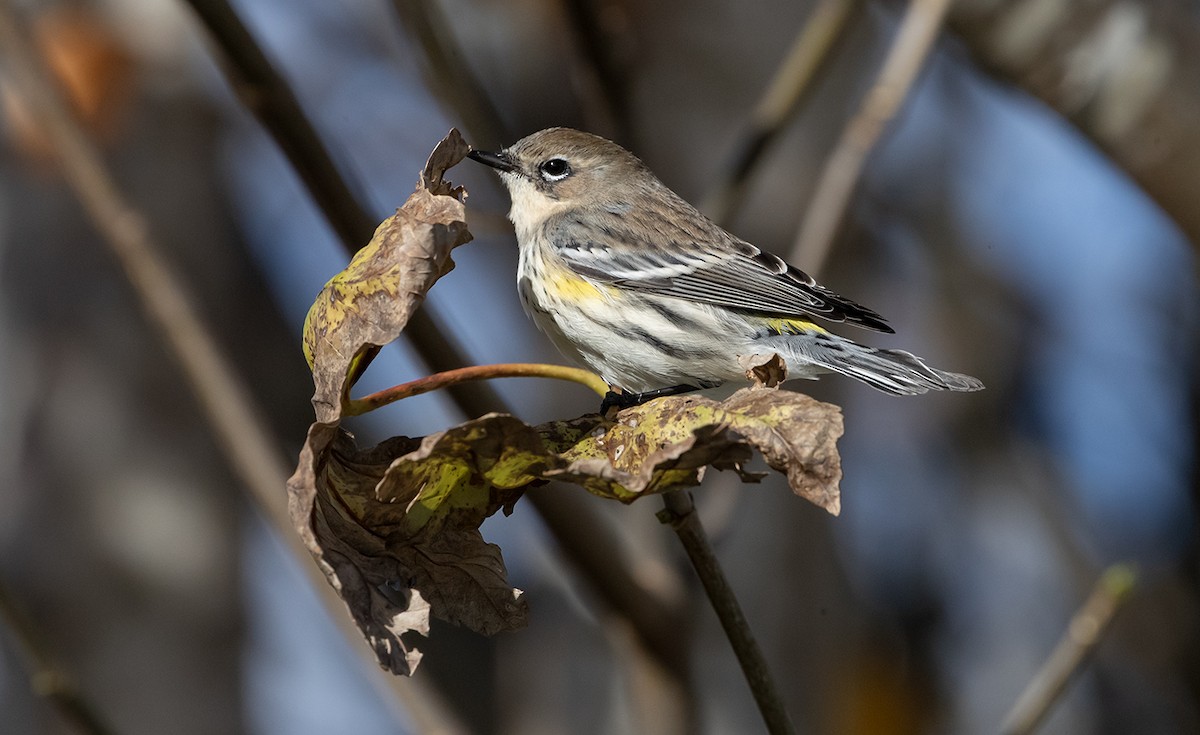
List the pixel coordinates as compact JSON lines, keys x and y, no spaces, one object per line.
{"x":619,"y":399}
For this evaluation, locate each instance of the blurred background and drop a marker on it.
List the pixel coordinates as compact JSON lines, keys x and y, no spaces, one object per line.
{"x":1027,"y":217}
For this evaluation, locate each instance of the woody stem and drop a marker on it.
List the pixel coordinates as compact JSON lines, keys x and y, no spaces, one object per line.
{"x":680,"y":514}
{"x":437,"y":381}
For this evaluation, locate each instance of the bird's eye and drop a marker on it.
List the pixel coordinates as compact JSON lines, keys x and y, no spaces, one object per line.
{"x":556,"y":169}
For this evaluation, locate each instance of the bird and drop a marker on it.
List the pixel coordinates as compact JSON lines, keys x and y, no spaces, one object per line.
{"x":636,"y":284}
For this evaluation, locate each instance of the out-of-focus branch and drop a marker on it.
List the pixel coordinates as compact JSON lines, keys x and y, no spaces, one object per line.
{"x":227,"y":405}
{"x":263,"y":90}
{"x":608,"y":79}
{"x":680,"y":513}
{"x":1085,"y":631}
{"x":789,"y":87}
{"x":449,"y":76}
{"x":918,"y":30}
{"x":46,"y":678}
{"x":1126,"y":73}
{"x":572,"y":522}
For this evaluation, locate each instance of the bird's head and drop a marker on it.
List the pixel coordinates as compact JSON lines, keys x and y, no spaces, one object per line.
{"x":561,"y":169}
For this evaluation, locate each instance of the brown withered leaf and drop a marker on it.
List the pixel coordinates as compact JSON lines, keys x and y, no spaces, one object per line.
{"x":797,"y":437}
{"x":363,"y":307}
{"x":397,"y":552}
{"x":768,"y":371}
{"x":397,"y":523}
{"x":665,"y":444}
{"x":369,"y":303}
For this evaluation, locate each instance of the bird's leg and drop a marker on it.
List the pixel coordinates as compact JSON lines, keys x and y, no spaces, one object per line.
{"x":619,"y":399}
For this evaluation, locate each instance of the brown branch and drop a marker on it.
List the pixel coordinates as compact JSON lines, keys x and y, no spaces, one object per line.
{"x":448,"y":73}
{"x":572,"y":522}
{"x":263,"y":90}
{"x":783,"y":97}
{"x":608,"y":81}
{"x":438,"y":381}
{"x":1085,"y":631}
{"x":1126,"y":74}
{"x":228,"y":406}
{"x":918,"y":30}
{"x":46,"y":678}
{"x":680,"y":514}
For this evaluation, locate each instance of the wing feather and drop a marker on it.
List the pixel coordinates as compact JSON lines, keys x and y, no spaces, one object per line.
{"x":615,"y":247}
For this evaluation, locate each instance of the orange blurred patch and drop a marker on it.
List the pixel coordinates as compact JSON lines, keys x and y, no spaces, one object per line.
{"x":95,"y":73}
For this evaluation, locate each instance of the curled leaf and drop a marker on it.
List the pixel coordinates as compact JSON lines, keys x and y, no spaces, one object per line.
{"x":397,"y":524}
{"x":363,"y":307}
{"x":764,"y":370}
{"x":370,"y":302}
{"x":665,"y":444}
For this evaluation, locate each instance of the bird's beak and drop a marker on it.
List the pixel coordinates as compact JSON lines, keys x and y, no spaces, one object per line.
{"x":499,"y":161}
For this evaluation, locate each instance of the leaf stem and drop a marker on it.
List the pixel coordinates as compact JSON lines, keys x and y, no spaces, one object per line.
{"x":680,"y":514}
{"x":437,"y":381}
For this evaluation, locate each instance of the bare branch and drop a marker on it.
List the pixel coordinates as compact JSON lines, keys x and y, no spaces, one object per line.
{"x":1083,"y":634}
{"x":449,"y":75}
{"x":789,"y":87}
{"x":608,"y":81}
{"x":264,"y":92}
{"x":918,"y":31}
{"x":437,"y":381}
{"x":680,"y":513}
{"x":1126,"y":73}
{"x":228,"y":406}
{"x":46,"y":678}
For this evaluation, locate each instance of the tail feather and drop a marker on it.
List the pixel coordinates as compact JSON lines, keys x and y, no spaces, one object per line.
{"x":891,"y":371}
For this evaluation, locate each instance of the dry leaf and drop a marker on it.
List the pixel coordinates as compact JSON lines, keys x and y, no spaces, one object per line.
{"x":397,"y":524}
{"x":363,"y":307}
{"x":768,"y":371}
{"x":665,"y":444}
{"x":369,"y":303}
{"x":397,"y":550}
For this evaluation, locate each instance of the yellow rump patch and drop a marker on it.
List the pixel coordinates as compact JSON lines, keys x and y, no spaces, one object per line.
{"x":793,"y":326}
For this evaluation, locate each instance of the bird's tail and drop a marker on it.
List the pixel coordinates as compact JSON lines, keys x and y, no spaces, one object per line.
{"x":891,"y":371}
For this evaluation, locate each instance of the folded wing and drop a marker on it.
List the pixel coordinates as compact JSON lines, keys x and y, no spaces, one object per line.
{"x":720,"y":270}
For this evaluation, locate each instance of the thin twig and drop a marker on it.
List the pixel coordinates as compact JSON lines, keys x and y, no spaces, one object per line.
{"x":438,"y":381}
{"x":46,"y":678}
{"x":789,"y":87}
{"x":449,"y":75}
{"x":608,"y":78}
{"x":227,"y":405}
{"x":1087,"y":628}
{"x":918,"y":30}
{"x":680,"y":513}
{"x":573,"y":523}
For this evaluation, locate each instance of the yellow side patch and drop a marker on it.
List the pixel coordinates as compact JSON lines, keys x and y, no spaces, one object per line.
{"x":793,"y":326}
{"x":574,"y":288}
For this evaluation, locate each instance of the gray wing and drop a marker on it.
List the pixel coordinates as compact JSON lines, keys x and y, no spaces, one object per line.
{"x":612,"y":247}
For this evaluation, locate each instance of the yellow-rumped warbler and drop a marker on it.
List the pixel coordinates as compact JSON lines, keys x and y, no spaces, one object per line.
{"x":632,"y":281}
